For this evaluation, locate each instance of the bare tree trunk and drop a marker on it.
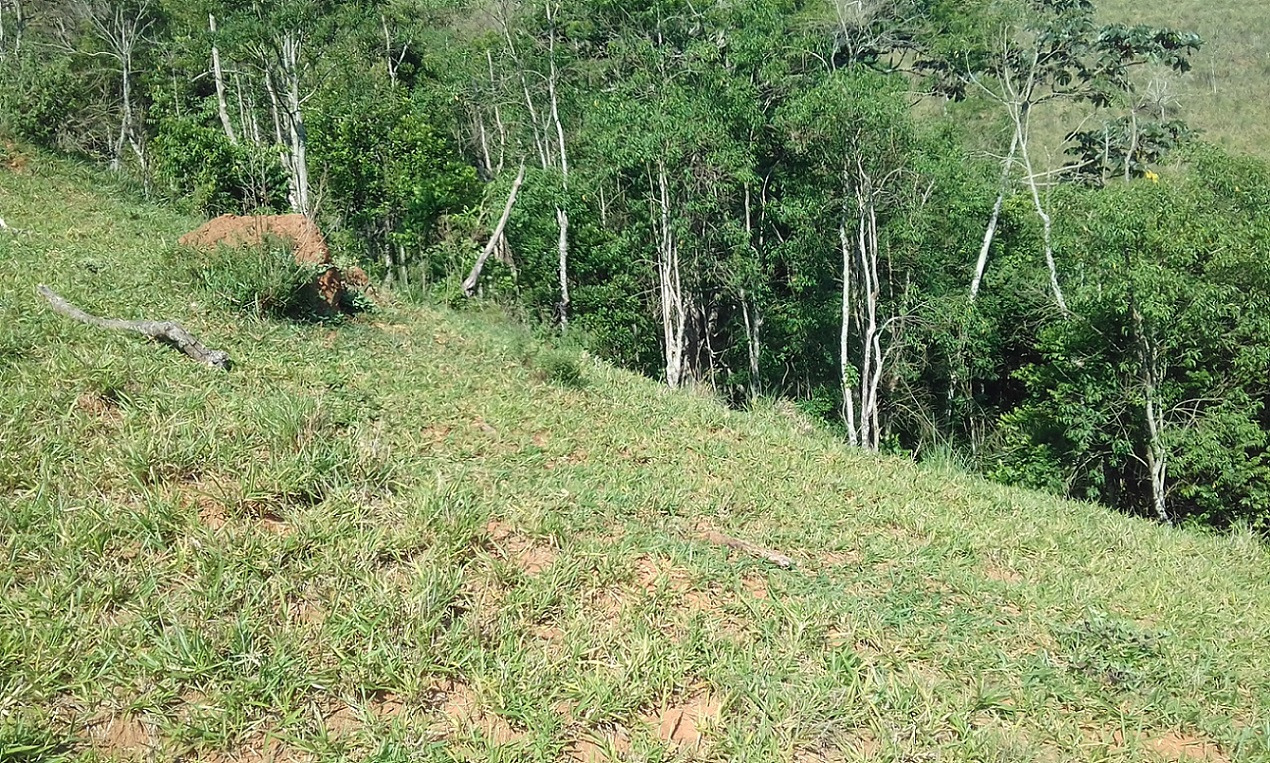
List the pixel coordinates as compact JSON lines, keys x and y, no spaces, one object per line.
{"x":1022,"y":117}
{"x":845,"y":368}
{"x":562,"y":308}
{"x":674,"y":317}
{"x":298,"y":138}
{"x":469,"y":283}
{"x":751,"y":315}
{"x":562,"y":214}
{"x":498,"y":117}
{"x":483,"y":140}
{"x":390,"y":267}
{"x":222,"y":105}
{"x":1157,"y":454}
{"x":19,"y":27}
{"x":275,"y":111}
{"x":990,"y":234}
{"x":393,"y":66}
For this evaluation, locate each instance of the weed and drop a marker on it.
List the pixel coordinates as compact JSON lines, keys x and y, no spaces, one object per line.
{"x":264,"y":281}
{"x":559,"y":367}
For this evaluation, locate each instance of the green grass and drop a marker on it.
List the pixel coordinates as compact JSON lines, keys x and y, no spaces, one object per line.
{"x":402,"y":538}
{"x":1227,"y":95}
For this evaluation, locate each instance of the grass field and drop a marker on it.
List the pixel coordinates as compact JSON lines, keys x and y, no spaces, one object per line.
{"x":397,"y":539}
{"x":1227,"y":96}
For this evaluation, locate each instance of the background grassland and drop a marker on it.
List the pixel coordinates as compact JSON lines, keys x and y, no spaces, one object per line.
{"x":1227,"y":96}
{"x":397,"y":539}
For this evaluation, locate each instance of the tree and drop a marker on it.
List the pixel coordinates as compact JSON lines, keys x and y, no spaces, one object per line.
{"x":856,"y":135}
{"x":1151,"y":396}
{"x":1042,"y":52}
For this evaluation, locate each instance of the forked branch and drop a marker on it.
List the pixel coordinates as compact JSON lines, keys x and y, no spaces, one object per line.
{"x":166,"y":332}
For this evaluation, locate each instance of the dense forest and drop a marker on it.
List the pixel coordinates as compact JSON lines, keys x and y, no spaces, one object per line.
{"x":974,"y":230}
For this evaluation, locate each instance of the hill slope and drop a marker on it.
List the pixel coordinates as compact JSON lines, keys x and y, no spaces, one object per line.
{"x":1227,"y":95}
{"x":391,"y":540}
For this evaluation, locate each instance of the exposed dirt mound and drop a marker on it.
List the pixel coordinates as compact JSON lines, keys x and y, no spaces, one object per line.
{"x":297,"y":231}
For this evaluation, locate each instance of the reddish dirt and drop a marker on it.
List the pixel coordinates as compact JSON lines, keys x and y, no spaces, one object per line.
{"x":519,"y":550}
{"x":341,"y":722}
{"x":460,"y":706}
{"x":301,"y":233}
{"x":684,"y":724}
{"x":755,"y":586}
{"x":12,"y":159}
{"x":1176,"y":746}
{"x":597,"y":747}
{"x":262,"y":750}
{"x":121,"y":737}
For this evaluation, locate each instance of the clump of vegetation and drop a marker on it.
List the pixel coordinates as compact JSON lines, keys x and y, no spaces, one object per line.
{"x":264,"y":281}
{"x":559,"y":366}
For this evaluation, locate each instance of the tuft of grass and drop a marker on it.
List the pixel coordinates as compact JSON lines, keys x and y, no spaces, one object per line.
{"x":263,"y":281}
{"x":559,"y":366}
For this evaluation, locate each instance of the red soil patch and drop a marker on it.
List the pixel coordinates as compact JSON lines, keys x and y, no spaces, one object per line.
{"x":684,"y":724}
{"x":1176,"y":746}
{"x":1002,"y":574}
{"x":12,"y":159}
{"x":298,"y":231}
{"x":607,"y":746}
{"x":755,"y":586}
{"x":264,"y":750}
{"x":519,"y":550}
{"x":121,"y":737}
{"x":460,"y":706}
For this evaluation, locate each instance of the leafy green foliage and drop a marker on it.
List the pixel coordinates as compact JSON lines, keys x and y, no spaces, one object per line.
{"x":198,"y":162}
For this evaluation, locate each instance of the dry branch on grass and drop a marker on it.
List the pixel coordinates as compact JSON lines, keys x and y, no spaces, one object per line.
{"x":166,"y":332}
{"x":775,"y":557}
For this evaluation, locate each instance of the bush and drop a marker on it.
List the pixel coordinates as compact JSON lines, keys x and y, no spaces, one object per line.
{"x":261,"y":280}
{"x":559,"y":367}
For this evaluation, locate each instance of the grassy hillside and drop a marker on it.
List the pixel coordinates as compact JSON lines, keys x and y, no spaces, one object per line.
{"x":396,"y":539}
{"x":1228,"y":93}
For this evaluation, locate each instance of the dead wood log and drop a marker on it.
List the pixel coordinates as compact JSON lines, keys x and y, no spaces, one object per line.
{"x":166,"y":332}
{"x":775,"y":557}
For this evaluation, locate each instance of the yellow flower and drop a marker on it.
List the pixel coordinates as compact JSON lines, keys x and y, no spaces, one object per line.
{"x":1154,"y":178}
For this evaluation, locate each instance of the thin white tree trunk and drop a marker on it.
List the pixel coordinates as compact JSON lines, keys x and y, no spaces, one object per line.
{"x":1157,"y":459}
{"x":673,"y":312}
{"x":19,"y":27}
{"x":1022,"y":119}
{"x":562,"y":309}
{"x":222,"y":104}
{"x":498,"y":117}
{"x":845,"y":367}
{"x":469,"y":283}
{"x":991,"y":233}
{"x":562,"y":213}
{"x":293,"y":113}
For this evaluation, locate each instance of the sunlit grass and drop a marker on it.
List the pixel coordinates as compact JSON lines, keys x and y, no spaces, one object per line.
{"x":406,"y":537}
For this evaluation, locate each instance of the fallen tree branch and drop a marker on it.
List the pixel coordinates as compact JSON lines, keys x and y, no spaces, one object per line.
{"x":775,"y":557}
{"x":166,"y":332}
{"x":469,"y":283}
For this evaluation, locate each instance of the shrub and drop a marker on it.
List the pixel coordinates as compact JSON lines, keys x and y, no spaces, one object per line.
{"x":261,"y":280}
{"x":559,"y":367}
